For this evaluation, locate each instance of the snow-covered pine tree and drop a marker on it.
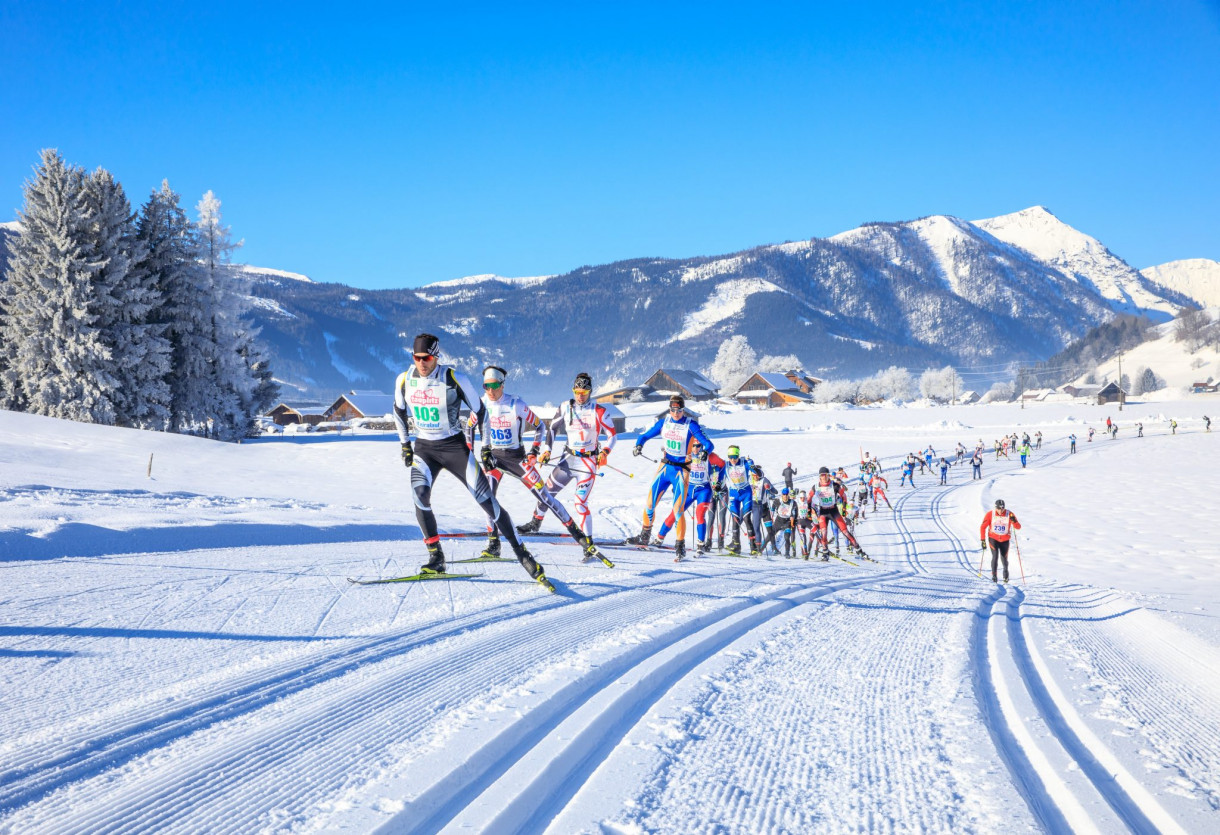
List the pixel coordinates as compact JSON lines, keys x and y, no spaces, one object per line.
{"x":243,"y":374}
{"x":58,"y":362}
{"x":186,"y":308}
{"x":127,"y":298}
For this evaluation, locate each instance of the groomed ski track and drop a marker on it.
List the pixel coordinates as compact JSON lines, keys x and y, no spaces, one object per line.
{"x":718,"y":694}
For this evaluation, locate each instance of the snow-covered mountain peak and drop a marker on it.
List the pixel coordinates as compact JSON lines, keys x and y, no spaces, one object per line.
{"x":268,"y":274}
{"x":1080,"y":257}
{"x":1198,"y":278}
{"x":11,"y":226}
{"x":483,"y":278}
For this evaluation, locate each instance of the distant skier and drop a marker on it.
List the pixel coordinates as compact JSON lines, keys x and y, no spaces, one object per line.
{"x":1173,"y":427}
{"x":804,"y":523}
{"x":944,"y":471}
{"x":1038,"y":439}
{"x":788,"y":474}
{"x":961,"y":453}
{"x":1072,"y":440}
{"x":678,"y":432}
{"x":427,"y":405}
{"x":583,"y":423}
{"x":764,"y":492}
{"x":1139,"y":430}
{"x":996,"y":530}
{"x":1025,"y":453}
{"x":976,"y":464}
{"x":878,"y":485}
{"x":908,"y":472}
{"x":502,"y":424}
{"x":1207,"y":424}
{"x":784,"y":513}
{"x":1091,"y":431}
{"x":1114,"y":431}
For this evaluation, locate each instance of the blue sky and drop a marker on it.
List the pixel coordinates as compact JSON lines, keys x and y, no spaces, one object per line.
{"x":394,"y":147}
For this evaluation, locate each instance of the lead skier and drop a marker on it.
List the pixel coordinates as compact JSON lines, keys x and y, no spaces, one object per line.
{"x":502,"y":424}
{"x":997,"y":528}
{"x":428,"y":399}
{"x":584,"y":423}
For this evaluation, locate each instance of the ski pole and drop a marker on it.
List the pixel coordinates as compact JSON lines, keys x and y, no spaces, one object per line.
{"x":982,"y":557}
{"x":617,"y":470}
{"x":1020,"y":565}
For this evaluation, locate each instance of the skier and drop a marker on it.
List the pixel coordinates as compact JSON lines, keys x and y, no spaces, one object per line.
{"x":501,"y":424}
{"x":764,"y":492}
{"x":1091,"y":431}
{"x":1025,"y":452}
{"x":863,"y":494}
{"x":583,"y":423}
{"x":741,"y":500}
{"x":995,"y":531}
{"x":720,"y":509}
{"x":1207,"y":424}
{"x":1173,"y":427}
{"x":1114,"y":431}
{"x":788,"y":473}
{"x":678,"y":431}
{"x":976,"y":463}
{"x":908,"y":471}
{"x":878,"y":485}
{"x":961,"y":453}
{"x":804,"y":523}
{"x":826,"y":498}
{"x":1038,"y":439}
{"x":427,"y":402}
{"x":944,"y":471}
{"x":1139,"y":430}
{"x":784,"y":511}
{"x":703,"y":471}
{"x":1072,"y":439}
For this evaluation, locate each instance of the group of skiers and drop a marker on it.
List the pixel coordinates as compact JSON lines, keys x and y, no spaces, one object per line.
{"x":726,"y":494}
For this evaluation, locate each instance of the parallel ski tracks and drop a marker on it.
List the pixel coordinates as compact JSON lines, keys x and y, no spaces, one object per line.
{"x":377,"y":704}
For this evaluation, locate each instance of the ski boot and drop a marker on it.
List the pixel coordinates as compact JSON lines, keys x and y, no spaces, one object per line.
{"x":534,"y":569}
{"x":720,"y":543}
{"x":531,"y":526}
{"x":701,"y":550}
{"x":591,"y":553}
{"x":492,"y":551}
{"x":657,"y":542}
{"x":679,"y":550}
{"x":825,"y":555}
{"x":641,"y":538}
{"x":735,"y":547}
{"x":436,"y":560}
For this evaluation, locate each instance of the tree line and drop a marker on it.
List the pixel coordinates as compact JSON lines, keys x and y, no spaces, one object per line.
{"x":127,"y":319}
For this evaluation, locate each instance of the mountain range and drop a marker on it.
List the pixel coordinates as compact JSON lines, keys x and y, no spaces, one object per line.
{"x":922,"y":293}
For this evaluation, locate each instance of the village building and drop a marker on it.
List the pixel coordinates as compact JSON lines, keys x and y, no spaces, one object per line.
{"x":772,"y":390}
{"x":360,"y":404}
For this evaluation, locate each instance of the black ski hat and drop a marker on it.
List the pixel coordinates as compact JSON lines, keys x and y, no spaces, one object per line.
{"x":824,"y":471}
{"x":999,"y":504}
{"x":583,"y":381}
{"x":428,"y":344}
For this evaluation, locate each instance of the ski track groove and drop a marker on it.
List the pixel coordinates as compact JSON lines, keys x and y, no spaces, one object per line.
{"x":41,"y":771}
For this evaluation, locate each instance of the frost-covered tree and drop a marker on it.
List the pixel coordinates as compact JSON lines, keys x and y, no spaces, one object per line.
{"x":786,"y":362}
{"x":837,"y":391}
{"x":186,"y":308}
{"x":58,"y":363}
{"x":940,"y":384}
{"x":128,"y":297}
{"x":735,"y":362}
{"x":893,"y":383}
{"x":244,"y":386}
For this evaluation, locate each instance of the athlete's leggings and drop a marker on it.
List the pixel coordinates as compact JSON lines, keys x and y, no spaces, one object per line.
{"x":514,"y":463}
{"x":741,"y":505}
{"x":720,"y":513}
{"x":760,"y":518}
{"x":584,"y":470}
{"x":825,"y":516}
{"x":678,"y":477}
{"x":999,"y":551}
{"x":451,"y":454}
{"x":701,"y":498}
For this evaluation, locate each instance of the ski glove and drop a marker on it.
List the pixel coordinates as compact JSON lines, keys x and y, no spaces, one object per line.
{"x":489,"y":461}
{"x":601,"y":458}
{"x":636,"y":450}
{"x":701,"y":455}
{"x":408,"y":454}
{"x":983,"y":544}
{"x":544,"y":456}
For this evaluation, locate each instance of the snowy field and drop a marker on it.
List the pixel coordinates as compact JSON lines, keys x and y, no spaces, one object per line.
{"x":183,"y":653}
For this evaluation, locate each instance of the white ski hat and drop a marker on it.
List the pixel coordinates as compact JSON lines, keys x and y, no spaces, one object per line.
{"x":493,"y":374}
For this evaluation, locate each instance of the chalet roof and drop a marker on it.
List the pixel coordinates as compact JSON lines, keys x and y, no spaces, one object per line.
{"x":367,"y":403}
{"x":775,"y":380}
{"x":303,"y":407}
{"x":1111,"y":387}
{"x":695,"y":384}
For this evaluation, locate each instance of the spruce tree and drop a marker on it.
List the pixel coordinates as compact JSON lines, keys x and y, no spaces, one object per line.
{"x":185,"y":308}
{"x":127,"y":299}
{"x":58,"y":363}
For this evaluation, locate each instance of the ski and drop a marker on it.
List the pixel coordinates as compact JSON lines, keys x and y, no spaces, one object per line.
{"x":484,"y":559}
{"x":414,"y":578}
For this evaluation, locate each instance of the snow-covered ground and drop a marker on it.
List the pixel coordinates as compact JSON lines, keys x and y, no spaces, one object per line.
{"x":183,"y":653}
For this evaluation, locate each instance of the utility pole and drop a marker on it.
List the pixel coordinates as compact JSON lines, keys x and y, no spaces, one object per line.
{"x":1021,"y":386}
{"x":1122,"y":395}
